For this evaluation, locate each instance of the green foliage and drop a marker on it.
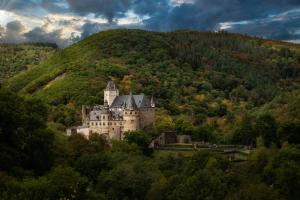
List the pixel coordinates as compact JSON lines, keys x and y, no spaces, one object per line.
{"x":266,"y":126}
{"x":217,"y":87}
{"x":15,"y":58}
{"x":141,"y":139}
{"x":25,"y":140}
{"x":201,"y":77}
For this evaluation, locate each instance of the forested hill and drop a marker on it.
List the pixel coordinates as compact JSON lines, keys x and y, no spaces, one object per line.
{"x":197,"y":78}
{"x":16,"y":58}
{"x":220,"y":88}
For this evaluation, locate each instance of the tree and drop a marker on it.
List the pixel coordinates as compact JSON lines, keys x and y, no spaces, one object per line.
{"x":243,"y":132}
{"x":91,"y":165}
{"x":290,"y":131}
{"x":25,"y":140}
{"x":266,"y":126}
{"x":140,"y":138}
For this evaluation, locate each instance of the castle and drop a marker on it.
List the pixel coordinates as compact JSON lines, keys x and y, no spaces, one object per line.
{"x":118,"y":115}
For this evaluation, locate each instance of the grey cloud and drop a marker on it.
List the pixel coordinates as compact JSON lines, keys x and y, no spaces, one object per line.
{"x":200,"y":15}
{"x":2,"y":31}
{"x":39,"y":34}
{"x":55,"y":6}
{"x":14,"y":33}
{"x":287,"y":28}
{"x":107,"y":8}
{"x":206,"y":15}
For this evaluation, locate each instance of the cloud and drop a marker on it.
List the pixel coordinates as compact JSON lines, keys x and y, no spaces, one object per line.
{"x":107,"y":8}
{"x":40,"y":34}
{"x":77,"y":19}
{"x":2,"y":31}
{"x":15,"y":32}
{"x":284,"y":26}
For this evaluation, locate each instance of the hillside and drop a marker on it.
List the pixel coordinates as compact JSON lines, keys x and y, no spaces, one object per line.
{"x":197,"y":78}
{"x":15,"y":58}
{"x":220,"y":88}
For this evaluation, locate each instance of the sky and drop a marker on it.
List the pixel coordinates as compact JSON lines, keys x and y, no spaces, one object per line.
{"x":67,"y":21}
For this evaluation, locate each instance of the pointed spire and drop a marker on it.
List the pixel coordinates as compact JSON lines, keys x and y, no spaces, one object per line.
{"x":111,"y":86}
{"x":152,"y":102}
{"x":130,"y":104}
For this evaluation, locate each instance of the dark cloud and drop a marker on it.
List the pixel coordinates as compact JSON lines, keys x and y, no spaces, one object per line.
{"x":55,"y":6}
{"x":90,"y":28}
{"x":15,"y":33}
{"x":40,"y":34}
{"x":107,"y":8}
{"x":284,"y":28}
{"x":113,"y":9}
{"x":204,"y":15}
{"x":18,"y":6}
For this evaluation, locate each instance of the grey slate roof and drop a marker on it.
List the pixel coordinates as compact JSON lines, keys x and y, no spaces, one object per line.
{"x":97,"y":111}
{"x":141,"y":101}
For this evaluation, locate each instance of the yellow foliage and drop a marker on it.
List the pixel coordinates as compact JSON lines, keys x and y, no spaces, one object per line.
{"x":228,"y":103}
{"x":200,"y":97}
{"x":162,"y":119}
{"x":127,"y":82}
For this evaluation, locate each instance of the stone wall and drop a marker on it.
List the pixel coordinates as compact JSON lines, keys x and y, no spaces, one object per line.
{"x":147,"y":117}
{"x":131,"y":120}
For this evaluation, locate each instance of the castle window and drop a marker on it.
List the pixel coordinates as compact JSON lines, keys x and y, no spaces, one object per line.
{"x":132,"y":121}
{"x":92,"y":123}
{"x":103,"y":124}
{"x":125,"y":112}
{"x":115,"y":123}
{"x":130,"y":112}
{"x":103,"y":117}
{"x":113,"y":128}
{"x":96,"y":124}
{"x":135,"y":112}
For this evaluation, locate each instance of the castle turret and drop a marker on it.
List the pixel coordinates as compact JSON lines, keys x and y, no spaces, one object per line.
{"x":85,"y":112}
{"x":110,"y":92}
{"x":131,"y":114}
{"x":105,"y":117}
{"x":152,"y":102}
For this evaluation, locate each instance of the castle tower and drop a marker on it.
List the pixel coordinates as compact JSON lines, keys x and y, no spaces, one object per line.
{"x":105,"y":119}
{"x":84,"y":112}
{"x":131,"y":115}
{"x":110,"y":92}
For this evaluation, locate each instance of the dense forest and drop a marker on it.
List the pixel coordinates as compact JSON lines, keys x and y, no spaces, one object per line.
{"x":220,"y":88}
{"x":16,"y":58}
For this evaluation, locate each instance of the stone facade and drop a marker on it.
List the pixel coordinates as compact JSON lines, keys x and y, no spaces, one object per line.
{"x":119,"y":114}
